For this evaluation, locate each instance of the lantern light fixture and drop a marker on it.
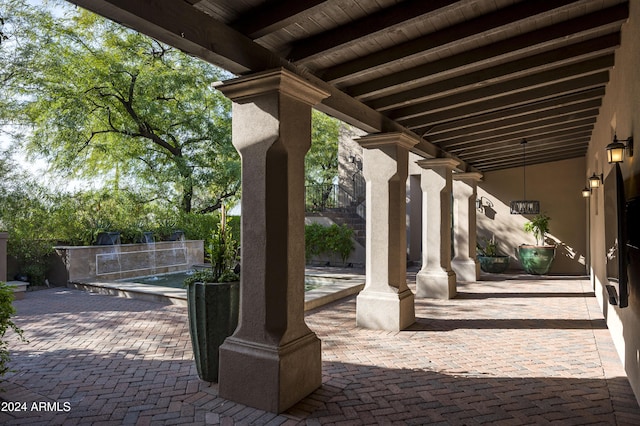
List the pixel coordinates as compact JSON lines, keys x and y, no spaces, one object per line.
{"x":586,"y":192}
{"x":617,"y":148}
{"x":595,"y":181}
{"x":524,"y":206}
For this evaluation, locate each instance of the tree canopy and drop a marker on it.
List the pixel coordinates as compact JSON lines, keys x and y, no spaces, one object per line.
{"x":321,"y":162}
{"x":100,"y":99}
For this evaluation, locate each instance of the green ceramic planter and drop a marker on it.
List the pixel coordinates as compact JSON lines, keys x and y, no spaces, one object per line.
{"x":213,"y":316}
{"x":536,"y":259}
{"x":494,"y":264}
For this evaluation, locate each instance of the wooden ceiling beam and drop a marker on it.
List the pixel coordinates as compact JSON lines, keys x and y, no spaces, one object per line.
{"x":514,"y":153}
{"x":589,"y":98}
{"x":484,"y":146}
{"x":497,"y":147}
{"x":509,"y":124}
{"x":183,"y":26}
{"x":499,"y":164}
{"x":541,"y":125}
{"x":503,"y":89}
{"x":558,"y":32}
{"x":454,"y":33}
{"x":511,"y":100}
{"x":564,"y":157}
{"x":495,"y":74}
{"x":272,"y":16}
{"x":310,"y":47}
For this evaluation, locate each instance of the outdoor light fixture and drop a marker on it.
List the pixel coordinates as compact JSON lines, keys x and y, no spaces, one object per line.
{"x":616,"y":149}
{"x":595,"y":180}
{"x":586,"y":192}
{"x":482,"y":203}
{"x":524,"y":206}
{"x":354,"y":159}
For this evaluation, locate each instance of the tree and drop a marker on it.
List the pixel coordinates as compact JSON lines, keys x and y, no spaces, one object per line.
{"x":101,"y":99}
{"x":321,"y":162}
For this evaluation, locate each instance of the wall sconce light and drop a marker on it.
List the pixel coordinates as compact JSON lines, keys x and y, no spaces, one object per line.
{"x":482,"y":203}
{"x":595,"y":180}
{"x":586,"y":192}
{"x":354,"y":159}
{"x":615,"y":150}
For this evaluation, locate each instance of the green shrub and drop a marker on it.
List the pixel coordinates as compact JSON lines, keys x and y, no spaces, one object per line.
{"x":313,"y":240}
{"x":7,"y":310}
{"x":197,"y":226}
{"x":334,"y":239}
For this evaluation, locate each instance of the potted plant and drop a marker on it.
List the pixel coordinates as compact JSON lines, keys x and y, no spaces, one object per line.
{"x":213,"y":301}
{"x":537,"y":259}
{"x":489,"y":258}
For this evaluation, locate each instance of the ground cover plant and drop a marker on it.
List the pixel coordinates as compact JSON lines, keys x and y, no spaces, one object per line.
{"x":7,"y":310}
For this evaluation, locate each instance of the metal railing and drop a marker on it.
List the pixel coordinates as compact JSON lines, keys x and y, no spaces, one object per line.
{"x":331,"y":196}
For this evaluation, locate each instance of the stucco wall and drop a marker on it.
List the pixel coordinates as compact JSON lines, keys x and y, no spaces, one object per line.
{"x":619,"y":113}
{"x":557,"y":186}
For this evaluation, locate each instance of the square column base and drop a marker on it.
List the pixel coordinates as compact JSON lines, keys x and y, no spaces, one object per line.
{"x":385,"y":310}
{"x":466,"y":269}
{"x":436,"y":284}
{"x":270,"y":378}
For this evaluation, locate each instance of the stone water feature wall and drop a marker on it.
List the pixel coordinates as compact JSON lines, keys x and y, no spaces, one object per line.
{"x":115,"y":262}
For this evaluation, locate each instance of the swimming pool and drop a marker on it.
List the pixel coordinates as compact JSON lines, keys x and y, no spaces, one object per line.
{"x":176,"y":280}
{"x":168,"y":288}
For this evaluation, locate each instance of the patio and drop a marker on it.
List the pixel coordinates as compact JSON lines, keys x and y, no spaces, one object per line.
{"x":505,"y":351}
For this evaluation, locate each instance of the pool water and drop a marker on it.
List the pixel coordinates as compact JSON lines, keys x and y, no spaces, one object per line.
{"x":176,"y":280}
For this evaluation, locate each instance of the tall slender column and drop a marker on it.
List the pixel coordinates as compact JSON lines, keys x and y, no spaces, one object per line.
{"x":386,"y":302}
{"x":465,"y":191}
{"x":436,"y":279}
{"x":273,"y":359}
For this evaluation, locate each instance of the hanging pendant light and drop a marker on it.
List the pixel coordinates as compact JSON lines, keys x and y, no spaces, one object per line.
{"x":524,"y":206}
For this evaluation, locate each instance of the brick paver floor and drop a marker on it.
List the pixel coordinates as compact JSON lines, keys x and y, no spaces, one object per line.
{"x":506,"y":352}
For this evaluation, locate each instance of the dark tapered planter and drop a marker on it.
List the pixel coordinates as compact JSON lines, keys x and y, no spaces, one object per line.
{"x":494,"y":264}
{"x":213,"y":316}
{"x":536,"y":259}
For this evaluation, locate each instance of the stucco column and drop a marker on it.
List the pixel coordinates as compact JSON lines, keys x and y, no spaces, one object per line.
{"x":273,"y":359}
{"x":3,"y":255}
{"x":386,"y":302}
{"x":436,"y":279}
{"x":465,"y":191}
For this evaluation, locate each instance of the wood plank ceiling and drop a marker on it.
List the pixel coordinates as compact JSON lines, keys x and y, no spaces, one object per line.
{"x":473,"y":78}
